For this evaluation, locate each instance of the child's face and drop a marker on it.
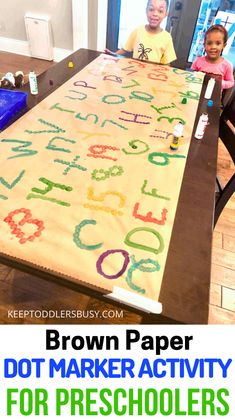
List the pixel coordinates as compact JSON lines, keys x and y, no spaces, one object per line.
{"x":156,"y":12}
{"x":214,"y":45}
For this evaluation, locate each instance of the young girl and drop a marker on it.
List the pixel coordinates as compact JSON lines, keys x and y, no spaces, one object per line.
{"x":213,"y":62}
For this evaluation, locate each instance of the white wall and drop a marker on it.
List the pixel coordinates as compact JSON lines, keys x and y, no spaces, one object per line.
{"x":60,"y":11}
{"x":75,"y":24}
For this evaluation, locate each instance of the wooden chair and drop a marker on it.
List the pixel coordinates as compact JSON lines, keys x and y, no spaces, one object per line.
{"x":227,"y":136}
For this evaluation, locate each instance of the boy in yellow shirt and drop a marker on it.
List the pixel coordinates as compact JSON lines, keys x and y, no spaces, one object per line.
{"x":151,"y":42}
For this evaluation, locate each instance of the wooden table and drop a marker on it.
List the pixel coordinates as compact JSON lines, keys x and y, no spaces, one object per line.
{"x":186,"y":281}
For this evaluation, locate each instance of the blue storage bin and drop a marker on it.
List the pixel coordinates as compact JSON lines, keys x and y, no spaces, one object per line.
{"x":11,"y":102}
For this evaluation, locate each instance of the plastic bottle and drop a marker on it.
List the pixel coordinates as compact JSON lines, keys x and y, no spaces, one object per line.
{"x":209,"y":89}
{"x":201,"y":126}
{"x":33,"y":84}
{"x":178,"y":132}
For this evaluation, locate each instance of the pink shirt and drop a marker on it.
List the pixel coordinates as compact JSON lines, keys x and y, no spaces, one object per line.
{"x":224,"y":68}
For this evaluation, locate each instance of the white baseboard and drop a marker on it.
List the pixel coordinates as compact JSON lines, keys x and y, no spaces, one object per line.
{"x":22,"y":48}
{"x":60,"y":54}
{"x":14,"y":45}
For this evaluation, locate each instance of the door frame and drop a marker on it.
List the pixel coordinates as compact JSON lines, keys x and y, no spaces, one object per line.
{"x":86,"y":34}
{"x":113,"y":23}
{"x":80,"y":24}
{"x":186,"y":24}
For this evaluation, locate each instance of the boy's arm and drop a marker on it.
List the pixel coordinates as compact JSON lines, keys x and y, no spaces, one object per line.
{"x":128,"y":46}
{"x":169,"y":53}
{"x":130,"y":43}
{"x":121,"y":51}
{"x":118,"y":52}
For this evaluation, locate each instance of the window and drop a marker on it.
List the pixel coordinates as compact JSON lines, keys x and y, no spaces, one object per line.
{"x":213,"y":12}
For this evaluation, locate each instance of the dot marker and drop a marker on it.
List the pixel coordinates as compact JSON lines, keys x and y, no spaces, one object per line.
{"x":70,"y":64}
{"x":184,"y":100}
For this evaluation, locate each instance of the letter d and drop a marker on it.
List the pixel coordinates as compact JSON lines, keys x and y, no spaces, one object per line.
{"x":10,"y":368}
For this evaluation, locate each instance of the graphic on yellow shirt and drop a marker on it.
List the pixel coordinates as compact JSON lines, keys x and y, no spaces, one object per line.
{"x":143,"y":52}
{"x":155,"y":47}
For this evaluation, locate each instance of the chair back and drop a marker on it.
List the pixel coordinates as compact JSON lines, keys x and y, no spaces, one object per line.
{"x":227,"y":126}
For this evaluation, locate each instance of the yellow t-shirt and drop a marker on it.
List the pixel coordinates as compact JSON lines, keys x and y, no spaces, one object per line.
{"x":156,"y":47}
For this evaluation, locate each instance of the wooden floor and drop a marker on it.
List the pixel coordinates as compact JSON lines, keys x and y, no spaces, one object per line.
{"x":222,"y":296}
{"x":20,"y":291}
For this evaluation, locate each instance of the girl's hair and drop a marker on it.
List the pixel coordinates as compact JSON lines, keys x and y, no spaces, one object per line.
{"x":167,"y":3}
{"x":218,"y":28}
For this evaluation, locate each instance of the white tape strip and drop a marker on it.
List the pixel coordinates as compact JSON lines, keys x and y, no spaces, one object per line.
{"x":135,"y":300}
